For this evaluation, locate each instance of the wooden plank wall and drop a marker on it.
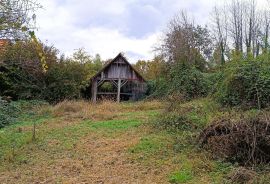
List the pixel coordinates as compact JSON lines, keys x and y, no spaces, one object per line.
{"x":120,"y":69}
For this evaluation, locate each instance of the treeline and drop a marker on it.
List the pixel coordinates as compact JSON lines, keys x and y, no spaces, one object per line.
{"x":229,"y":59}
{"x":30,"y":69}
{"x":229,"y":64}
{"x":23,"y":76}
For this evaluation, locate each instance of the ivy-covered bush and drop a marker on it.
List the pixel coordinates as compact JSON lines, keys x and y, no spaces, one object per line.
{"x":8,"y":112}
{"x":188,"y":81}
{"x":157,"y":88}
{"x":214,"y":79}
{"x":245,"y":83}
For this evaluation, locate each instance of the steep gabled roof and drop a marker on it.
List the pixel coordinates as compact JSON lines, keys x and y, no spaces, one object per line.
{"x":120,"y":55}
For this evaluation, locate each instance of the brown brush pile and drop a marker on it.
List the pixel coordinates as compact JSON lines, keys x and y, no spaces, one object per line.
{"x":245,"y":141}
{"x":242,"y":175}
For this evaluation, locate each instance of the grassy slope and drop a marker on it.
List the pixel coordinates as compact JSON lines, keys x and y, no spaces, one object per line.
{"x":116,"y":137}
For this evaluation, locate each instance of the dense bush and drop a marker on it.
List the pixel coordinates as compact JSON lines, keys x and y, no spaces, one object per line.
{"x":214,"y":79}
{"x":188,"y":81}
{"x":22,"y":76}
{"x":64,"y":80}
{"x":8,"y":112}
{"x":15,"y":111}
{"x":157,"y":88}
{"x":181,"y":79}
{"x":245,"y":83}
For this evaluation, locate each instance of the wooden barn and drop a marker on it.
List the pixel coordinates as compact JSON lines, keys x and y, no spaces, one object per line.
{"x":125,"y":82}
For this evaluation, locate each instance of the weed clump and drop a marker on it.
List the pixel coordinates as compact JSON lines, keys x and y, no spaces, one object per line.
{"x":245,"y":141}
{"x":174,"y":122}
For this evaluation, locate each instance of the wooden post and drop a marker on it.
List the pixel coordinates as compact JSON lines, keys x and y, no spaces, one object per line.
{"x":118,"y":90}
{"x":34,"y":132}
{"x":94,"y":91}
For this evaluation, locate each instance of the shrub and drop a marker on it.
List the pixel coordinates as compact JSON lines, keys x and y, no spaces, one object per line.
{"x":64,"y":80}
{"x":245,"y":141}
{"x":173,"y":122}
{"x":8,"y":112}
{"x":214,"y":79}
{"x":11,"y":112}
{"x":157,"y":88}
{"x":189,"y":81}
{"x":182,"y":80}
{"x":245,"y":83}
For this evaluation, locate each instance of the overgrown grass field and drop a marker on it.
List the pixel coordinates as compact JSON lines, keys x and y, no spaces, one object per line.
{"x":78,"y":142}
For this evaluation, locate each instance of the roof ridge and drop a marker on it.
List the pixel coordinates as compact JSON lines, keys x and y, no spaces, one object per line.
{"x":110,"y":62}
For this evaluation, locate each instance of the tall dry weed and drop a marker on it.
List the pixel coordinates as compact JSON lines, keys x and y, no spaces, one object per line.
{"x":104,"y":110}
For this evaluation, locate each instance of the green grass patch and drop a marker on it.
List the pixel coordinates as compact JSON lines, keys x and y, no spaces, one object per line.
{"x":176,"y":151}
{"x":69,"y":135}
{"x":148,"y":145}
{"x":195,"y":167}
{"x":115,"y":124}
{"x":153,"y":149}
{"x":220,"y":170}
{"x":138,"y":113}
{"x":14,"y":137}
{"x":181,"y":177}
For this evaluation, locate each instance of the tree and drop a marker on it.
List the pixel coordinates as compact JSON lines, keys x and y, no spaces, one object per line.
{"x":220,"y":31}
{"x":17,"y":17}
{"x":22,"y":71}
{"x":242,"y":28}
{"x":151,"y":70}
{"x":81,"y":56}
{"x":265,"y":30}
{"x":187,"y":43}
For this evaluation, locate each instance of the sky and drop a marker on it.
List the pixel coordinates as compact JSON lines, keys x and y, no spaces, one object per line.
{"x":108,"y":27}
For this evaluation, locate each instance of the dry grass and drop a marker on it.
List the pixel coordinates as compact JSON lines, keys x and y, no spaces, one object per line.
{"x":86,"y":110}
{"x":105,"y":110}
{"x":242,"y":175}
{"x":147,"y":105}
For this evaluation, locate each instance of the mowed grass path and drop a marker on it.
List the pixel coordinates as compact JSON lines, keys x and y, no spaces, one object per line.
{"x":78,"y":142}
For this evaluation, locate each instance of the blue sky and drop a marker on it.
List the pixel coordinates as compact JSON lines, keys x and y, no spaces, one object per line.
{"x":108,"y":27}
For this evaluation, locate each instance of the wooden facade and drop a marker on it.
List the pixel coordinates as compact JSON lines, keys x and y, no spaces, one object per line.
{"x":126,"y":81}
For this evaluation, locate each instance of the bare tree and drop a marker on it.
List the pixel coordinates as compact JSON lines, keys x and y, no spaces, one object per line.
{"x":242,"y":25}
{"x":16,"y":17}
{"x":265,"y":30}
{"x":220,"y":30}
{"x":236,"y":20}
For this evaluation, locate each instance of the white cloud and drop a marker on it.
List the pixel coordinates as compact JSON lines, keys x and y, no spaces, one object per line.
{"x":56,"y":25}
{"x":109,"y":42}
{"x":109,"y":27}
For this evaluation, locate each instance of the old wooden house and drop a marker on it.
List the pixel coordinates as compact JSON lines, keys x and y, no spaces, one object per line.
{"x":126,"y":82}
